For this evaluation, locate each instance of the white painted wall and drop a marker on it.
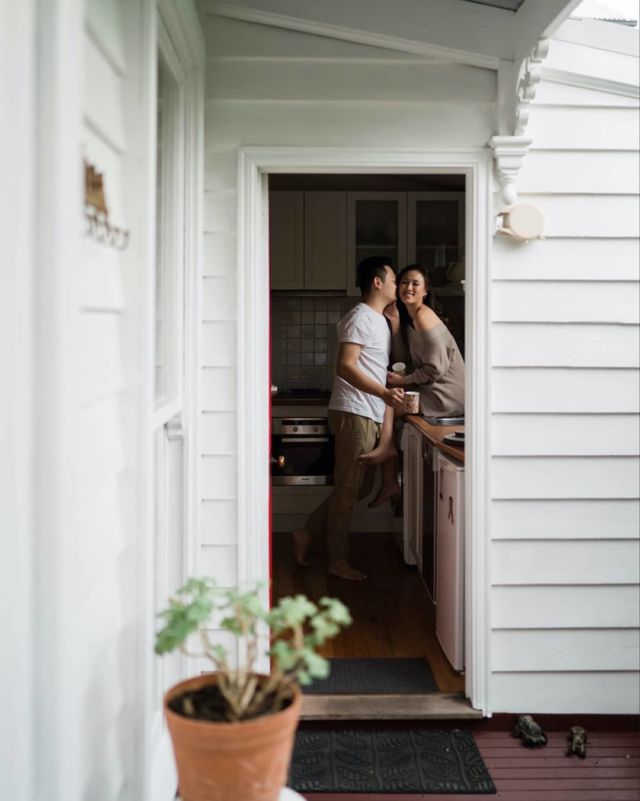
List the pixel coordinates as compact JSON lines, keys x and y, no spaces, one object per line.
{"x":81,"y":369}
{"x":565,"y":438}
{"x":267,"y":86}
{"x":564,"y":381}
{"x":103,"y":623}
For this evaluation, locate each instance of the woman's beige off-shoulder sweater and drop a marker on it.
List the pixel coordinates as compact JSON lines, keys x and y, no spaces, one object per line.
{"x":436,"y":369}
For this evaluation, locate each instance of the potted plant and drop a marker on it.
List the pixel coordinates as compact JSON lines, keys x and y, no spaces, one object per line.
{"x":233,"y":729}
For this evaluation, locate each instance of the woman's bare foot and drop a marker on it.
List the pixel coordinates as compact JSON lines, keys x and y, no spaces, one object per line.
{"x":385,"y":492}
{"x":301,"y":542}
{"x":342,"y":569}
{"x":378,"y":455}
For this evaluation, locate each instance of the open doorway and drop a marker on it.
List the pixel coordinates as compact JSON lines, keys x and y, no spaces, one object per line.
{"x":321,"y":227}
{"x":255,"y":166}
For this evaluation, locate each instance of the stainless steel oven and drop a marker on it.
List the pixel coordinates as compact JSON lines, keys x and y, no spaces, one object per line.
{"x":301,"y":451}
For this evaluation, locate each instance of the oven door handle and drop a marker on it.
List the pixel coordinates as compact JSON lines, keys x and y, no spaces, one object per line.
{"x":294,"y":440}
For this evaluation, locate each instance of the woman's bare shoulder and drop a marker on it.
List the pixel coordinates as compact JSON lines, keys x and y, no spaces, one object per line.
{"x":426,"y":319}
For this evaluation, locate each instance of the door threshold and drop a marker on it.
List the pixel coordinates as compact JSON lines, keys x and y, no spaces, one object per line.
{"x":434,"y":706}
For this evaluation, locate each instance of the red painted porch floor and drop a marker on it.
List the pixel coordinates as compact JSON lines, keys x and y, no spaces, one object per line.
{"x":610,"y":771}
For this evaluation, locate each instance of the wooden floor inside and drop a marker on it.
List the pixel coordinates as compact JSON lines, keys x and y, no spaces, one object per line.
{"x":610,"y":771}
{"x":391,"y":611}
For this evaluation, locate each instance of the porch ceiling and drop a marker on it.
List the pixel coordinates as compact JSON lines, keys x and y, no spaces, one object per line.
{"x":507,"y":5}
{"x":480,"y":33}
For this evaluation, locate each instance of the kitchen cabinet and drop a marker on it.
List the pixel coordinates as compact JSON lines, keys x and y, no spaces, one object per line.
{"x":376,"y":226}
{"x":286,"y":239}
{"x":325,"y":240}
{"x":436,"y":224}
{"x":450,"y":559}
{"x":318,"y":238}
{"x":427,"y":562}
{"x":308,"y":240}
{"x":411,"y":447}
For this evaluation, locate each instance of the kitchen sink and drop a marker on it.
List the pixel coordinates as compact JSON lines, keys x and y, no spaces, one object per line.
{"x":445,"y":421}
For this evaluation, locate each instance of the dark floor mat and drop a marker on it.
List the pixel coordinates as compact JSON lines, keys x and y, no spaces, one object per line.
{"x":388,"y":761}
{"x":375,"y":677}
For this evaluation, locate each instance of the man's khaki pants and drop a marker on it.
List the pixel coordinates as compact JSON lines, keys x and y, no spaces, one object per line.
{"x":354,"y":435}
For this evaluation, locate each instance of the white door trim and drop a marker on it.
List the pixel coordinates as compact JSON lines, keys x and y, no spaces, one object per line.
{"x":254,"y":165}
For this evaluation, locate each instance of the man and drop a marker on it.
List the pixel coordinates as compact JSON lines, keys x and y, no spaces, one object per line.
{"x":356,"y":412}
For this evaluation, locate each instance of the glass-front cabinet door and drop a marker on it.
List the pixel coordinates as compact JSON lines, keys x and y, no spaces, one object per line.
{"x":436,"y":237}
{"x":377,"y":226}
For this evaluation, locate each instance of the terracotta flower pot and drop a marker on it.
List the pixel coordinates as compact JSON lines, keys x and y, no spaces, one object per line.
{"x":243,"y":761}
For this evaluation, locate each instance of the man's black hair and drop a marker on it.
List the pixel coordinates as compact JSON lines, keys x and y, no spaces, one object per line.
{"x":368,"y":269}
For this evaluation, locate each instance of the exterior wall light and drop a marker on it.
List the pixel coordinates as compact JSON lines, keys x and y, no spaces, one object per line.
{"x":521,"y":221}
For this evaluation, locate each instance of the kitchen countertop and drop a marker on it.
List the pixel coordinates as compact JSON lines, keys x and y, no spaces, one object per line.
{"x":435,"y":434}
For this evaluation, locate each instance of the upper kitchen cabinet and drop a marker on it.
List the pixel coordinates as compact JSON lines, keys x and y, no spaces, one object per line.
{"x":325,"y":238}
{"x":377,"y":226}
{"x":436,"y":237}
{"x":286,"y":239}
{"x":307,"y":240}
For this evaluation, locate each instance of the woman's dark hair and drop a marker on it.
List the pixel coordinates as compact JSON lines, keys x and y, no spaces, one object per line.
{"x":430,"y":299}
{"x":368,"y":269}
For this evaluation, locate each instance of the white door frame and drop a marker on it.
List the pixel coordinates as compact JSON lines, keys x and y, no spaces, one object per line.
{"x":254,"y":166}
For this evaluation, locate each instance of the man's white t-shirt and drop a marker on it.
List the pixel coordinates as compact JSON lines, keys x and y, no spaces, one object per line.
{"x":366,"y":327}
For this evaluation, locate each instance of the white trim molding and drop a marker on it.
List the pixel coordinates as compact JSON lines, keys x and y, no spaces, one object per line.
{"x":254,"y":165}
{"x":591,"y":82}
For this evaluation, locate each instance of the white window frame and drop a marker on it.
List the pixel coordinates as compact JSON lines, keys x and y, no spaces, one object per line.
{"x":179,"y":38}
{"x":254,"y":166}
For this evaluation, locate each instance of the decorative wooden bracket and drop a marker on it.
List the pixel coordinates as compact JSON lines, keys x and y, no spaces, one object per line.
{"x":509,"y":150}
{"x":528,"y":80}
{"x":508,"y":154}
{"x":97,"y":214}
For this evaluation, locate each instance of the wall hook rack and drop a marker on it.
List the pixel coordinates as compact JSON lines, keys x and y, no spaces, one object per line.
{"x":97,"y":214}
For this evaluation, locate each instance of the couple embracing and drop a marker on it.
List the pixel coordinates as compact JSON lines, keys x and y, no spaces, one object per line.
{"x":396,"y":320}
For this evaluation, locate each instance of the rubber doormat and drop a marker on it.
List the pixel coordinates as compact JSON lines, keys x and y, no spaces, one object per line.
{"x":375,"y":677}
{"x":388,"y":761}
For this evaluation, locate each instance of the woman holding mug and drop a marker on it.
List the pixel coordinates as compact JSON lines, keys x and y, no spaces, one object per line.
{"x":436,"y":370}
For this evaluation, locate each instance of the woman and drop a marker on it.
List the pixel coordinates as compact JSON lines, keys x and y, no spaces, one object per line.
{"x":436,"y":366}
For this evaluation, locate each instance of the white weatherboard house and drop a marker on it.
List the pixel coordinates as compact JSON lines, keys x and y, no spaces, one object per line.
{"x":135,"y":395}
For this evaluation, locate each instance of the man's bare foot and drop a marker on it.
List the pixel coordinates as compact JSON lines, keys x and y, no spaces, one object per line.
{"x":301,"y":542}
{"x":342,"y":569}
{"x":384,"y":493}
{"x":378,"y":455}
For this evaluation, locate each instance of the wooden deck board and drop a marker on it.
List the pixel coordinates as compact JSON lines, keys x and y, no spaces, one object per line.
{"x":610,"y":772}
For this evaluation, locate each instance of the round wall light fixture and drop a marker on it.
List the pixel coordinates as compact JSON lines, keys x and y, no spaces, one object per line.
{"x":522,"y":222}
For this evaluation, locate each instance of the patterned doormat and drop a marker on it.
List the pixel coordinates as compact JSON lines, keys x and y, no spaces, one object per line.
{"x":375,"y":677}
{"x":388,"y":761}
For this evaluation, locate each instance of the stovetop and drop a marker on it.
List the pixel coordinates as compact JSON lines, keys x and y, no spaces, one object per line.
{"x":306,"y":393}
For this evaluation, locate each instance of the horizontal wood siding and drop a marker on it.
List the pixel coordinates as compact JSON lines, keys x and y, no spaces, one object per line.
{"x":562,"y":519}
{"x":107,"y":621}
{"x":566,"y":434}
{"x":268,"y":86}
{"x":566,"y":390}
{"x":565,"y":397}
